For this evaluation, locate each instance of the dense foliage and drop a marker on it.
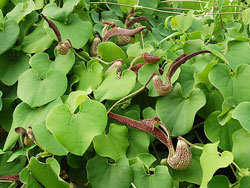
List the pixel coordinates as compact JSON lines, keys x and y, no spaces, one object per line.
{"x":70,"y":94}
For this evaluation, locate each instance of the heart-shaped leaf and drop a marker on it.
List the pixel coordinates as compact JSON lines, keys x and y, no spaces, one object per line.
{"x":41,"y":63}
{"x":75,"y":29}
{"x":110,"y":52}
{"x":237,"y":53}
{"x":216,"y":132}
{"x":219,"y":181}
{"x":11,"y":67}
{"x":241,"y":113}
{"x":100,"y":172}
{"x":89,"y":77}
{"x":76,"y":131}
{"x":10,"y":168}
{"x":230,"y":83}
{"x":211,"y":162}
{"x":37,"y":91}
{"x":113,"y":87}
{"x":178,"y":112}
{"x":241,"y":148}
{"x":135,"y":49}
{"x":28,"y":179}
{"x":47,"y":173}
{"x":60,"y":14}
{"x":34,"y":44}
{"x":24,"y":116}
{"x":160,"y":177}
{"x":47,"y":141}
{"x":21,"y":10}
{"x":9,"y":35}
{"x":114,"y":144}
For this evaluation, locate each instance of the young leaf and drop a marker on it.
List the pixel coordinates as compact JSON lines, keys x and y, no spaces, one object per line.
{"x":211,"y":162}
{"x":114,"y":144}
{"x":100,"y":172}
{"x":76,"y":131}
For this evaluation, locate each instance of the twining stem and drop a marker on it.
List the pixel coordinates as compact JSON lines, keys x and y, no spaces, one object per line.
{"x":132,"y":94}
{"x":11,"y":178}
{"x":78,"y":55}
{"x":106,"y":63}
{"x":164,"y":11}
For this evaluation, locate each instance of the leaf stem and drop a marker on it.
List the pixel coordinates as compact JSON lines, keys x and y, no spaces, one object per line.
{"x":132,"y":94}
{"x":78,"y":55}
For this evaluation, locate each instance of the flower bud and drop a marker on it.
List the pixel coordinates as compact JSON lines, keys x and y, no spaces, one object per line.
{"x":123,"y":40}
{"x":94,"y":45}
{"x":161,"y":88}
{"x":182,"y":157}
{"x":63,"y":48}
{"x":116,"y":65}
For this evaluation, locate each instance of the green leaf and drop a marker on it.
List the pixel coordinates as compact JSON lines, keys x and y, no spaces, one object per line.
{"x":102,"y":174}
{"x":229,"y":83}
{"x":89,"y":77}
{"x":113,"y":87}
{"x":193,"y":173}
{"x":34,"y":44}
{"x":186,"y":79}
{"x":211,"y":162}
{"x":159,"y":179}
{"x":219,"y":181}
{"x":241,"y":148}
{"x":246,"y":16}
{"x":47,"y":173}
{"x":11,"y":67}
{"x":10,"y":168}
{"x":75,"y":98}
{"x":216,"y":132}
{"x":9,"y":35}
{"x":24,"y":116}
{"x":75,"y":29}
{"x":228,"y":107}
{"x":6,"y":113}
{"x":192,"y":46}
{"x":245,"y":182}
{"x":28,"y":179}
{"x":37,"y":91}
{"x":21,"y":10}
{"x":114,"y":144}
{"x":1,"y":103}
{"x":41,"y":63}
{"x":110,"y":52}
{"x":80,"y":128}
{"x":182,"y":22}
{"x":135,"y":49}
{"x":177,"y":111}
{"x":150,"y":4}
{"x":237,"y":54}
{"x":241,"y":113}
{"x":46,"y":140}
{"x":127,"y":2}
{"x":60,"y":14}
{"x":20,"y":152}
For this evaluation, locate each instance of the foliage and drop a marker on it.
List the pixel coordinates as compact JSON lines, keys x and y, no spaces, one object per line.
{"x":69,"y":118}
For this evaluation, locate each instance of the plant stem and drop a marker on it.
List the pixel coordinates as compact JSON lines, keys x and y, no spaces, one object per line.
{"x":78,"y":55}
{"x":11,"y":178}
{"x":132,"y":94}
{"x":135,"y":6}
{"x":198,"y":125}
{"x":191,"y":144}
